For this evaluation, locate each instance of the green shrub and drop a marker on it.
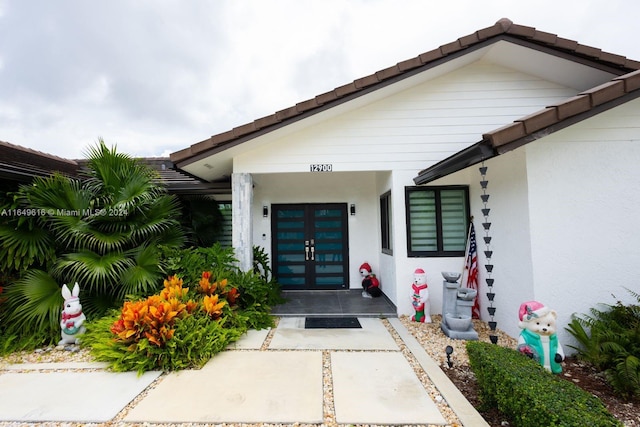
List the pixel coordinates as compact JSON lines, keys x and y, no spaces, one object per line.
{"x":530,"y":396}
{"x":188,"y":321}
{"x":610,"y":340}
{"x":189,"y":263}
{"x":102,"y":230}
{"x":195,"y":341}
{"x":175,"y":329}
{"x":258,"y":290}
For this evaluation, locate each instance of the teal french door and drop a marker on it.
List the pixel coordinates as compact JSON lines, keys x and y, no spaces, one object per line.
{"x":310,"y":246}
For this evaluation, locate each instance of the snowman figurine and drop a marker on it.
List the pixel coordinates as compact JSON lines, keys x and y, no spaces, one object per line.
{"x":420,"y":297}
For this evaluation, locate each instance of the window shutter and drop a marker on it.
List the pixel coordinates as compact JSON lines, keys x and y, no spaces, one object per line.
{"x":225,"y":236}
{"x":422,"y":218}
{"x":454,"y":220}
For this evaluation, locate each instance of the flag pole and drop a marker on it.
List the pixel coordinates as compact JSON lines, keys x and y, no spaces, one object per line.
{"x":466,"y":252}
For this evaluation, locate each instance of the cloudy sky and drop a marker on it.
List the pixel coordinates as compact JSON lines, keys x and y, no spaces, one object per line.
{"x":155,"y":76}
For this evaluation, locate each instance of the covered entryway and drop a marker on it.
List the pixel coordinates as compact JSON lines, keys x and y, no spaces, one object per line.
{"x":310,"y":247}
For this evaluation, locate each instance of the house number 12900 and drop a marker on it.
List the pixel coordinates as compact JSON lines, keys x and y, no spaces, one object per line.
{"x":321,"y":168}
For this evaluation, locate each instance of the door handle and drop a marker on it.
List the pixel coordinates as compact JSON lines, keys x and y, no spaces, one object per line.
{"x":313,"y":249}
{"x":309,"y":250}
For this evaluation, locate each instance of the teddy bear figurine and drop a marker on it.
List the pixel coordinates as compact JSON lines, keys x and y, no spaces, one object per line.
{"x":370,"y":283}
{"x":538,"y":338}
{"x":420,"y":297}
{"x":72,"y":319}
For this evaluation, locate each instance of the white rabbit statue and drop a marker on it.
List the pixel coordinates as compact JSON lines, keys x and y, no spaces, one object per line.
{"x":72,"y":317}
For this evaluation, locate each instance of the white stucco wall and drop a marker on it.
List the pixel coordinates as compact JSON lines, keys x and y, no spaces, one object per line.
{"x":564,"y":213}
{"x":510,"y":237}
{"x":341,"y":187}
{"x":584,"y":202}
{"x":387,"y":267}
{"x":382,"y":146}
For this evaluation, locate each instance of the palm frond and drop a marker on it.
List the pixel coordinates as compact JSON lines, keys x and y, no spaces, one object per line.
{"x":23,"y":246}
{"x":96,"y":272}
{"x":33,"y":304}
{"x":143,"y":277}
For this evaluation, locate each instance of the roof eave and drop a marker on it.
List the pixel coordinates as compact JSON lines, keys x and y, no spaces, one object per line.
{"x":470,"y":156}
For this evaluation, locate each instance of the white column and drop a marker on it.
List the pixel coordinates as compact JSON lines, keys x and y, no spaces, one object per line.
{"x":241,"y":204}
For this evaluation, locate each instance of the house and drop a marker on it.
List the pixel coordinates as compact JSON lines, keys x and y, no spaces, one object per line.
{"x":20,"y":165}
{"x":532,"y":137}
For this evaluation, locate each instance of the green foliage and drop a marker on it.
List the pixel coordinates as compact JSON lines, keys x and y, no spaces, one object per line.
{"x":261,"y":264}
{"x":196,"y":340}
{"x":186,"y":340}
{"x":32,"y":307}
{"x":12,"y":342}
{"x":202,"y":219}
{"x":525,"y":392}
{"x":610,"y":340}
{"x":102,"y":231}
{"x":257,"y":292}
{"x":189,"y":263}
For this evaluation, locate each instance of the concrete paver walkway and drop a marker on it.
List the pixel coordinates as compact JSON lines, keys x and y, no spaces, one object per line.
{"x":289,"y":375}
{"x":95,"y":396}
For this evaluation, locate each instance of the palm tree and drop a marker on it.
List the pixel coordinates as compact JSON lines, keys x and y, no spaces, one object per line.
{"x":103,"y":231}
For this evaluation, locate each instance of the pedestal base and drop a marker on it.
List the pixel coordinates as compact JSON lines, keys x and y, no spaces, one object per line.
{"x":469,"y":335}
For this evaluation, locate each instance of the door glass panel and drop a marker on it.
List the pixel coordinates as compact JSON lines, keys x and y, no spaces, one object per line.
{"x":329,"y":247}
{"x":291,"y":269}
{"x":329,"y":281}
{"x":296,"y":257}
{"x":328,"y":235}
{"x":298,"y":225}
{"x":291,"y":213}
{"x":328,"y":213}
{"x":329,"y":268}
{"x":290,"y":247}
{"x":291,"y":281}
{"x":328,"y":224}
{"x":290,"y":235}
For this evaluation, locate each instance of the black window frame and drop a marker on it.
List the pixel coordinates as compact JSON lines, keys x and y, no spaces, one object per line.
{"x":439,"y":232}
{"x":385,"y":224}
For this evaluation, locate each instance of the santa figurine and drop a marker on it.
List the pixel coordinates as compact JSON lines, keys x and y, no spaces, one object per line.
{"x":420,"y":297}
{"x":370,"y":283}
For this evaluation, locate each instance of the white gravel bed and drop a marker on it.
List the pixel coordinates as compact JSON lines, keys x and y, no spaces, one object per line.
{"x":434,"y":341}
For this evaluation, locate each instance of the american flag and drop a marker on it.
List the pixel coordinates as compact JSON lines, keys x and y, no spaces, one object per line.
{"x":471,"y":265}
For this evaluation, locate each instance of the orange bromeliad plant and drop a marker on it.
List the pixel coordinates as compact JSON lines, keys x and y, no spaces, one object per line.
{"x":220,"y":287}
{"x":154,"y":317}
{"x":208,"y":288}
{"x":173,"y":289}
{"x":212,"y":306}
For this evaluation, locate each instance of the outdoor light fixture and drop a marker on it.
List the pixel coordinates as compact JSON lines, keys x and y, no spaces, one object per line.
{"x":449,"y":350}
{"x":352,"y":209}
{"x":265,"y":211}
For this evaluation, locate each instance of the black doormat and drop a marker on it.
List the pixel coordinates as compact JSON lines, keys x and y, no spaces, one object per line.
{"x":331,"y":323}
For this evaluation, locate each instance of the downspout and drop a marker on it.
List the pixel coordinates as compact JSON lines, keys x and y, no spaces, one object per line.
{"x":488,"y":253}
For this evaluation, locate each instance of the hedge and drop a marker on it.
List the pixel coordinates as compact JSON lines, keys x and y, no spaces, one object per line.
{"x":529,"y":395}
